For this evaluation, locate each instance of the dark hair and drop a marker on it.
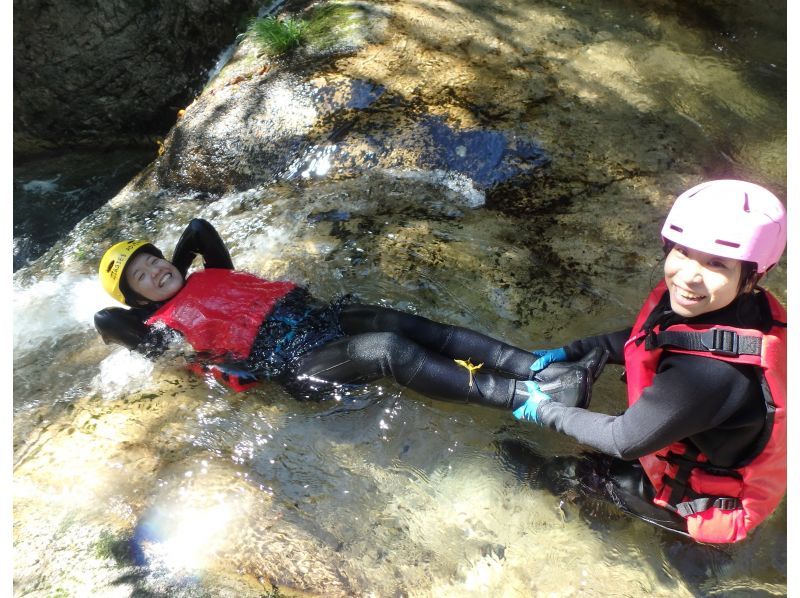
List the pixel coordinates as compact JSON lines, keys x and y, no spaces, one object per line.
{"x":133,"y":298}
{"x":748,"y":277}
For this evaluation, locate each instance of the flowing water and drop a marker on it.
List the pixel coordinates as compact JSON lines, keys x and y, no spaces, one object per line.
{"x":53,"y":192}
{"x":133,"y":478}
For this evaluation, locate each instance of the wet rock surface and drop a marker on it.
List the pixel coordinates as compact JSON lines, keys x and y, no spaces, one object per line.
{"x":542,"y":125}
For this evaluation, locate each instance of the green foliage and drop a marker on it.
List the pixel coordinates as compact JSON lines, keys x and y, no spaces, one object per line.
{"x":322,"y":28}
{"x":103,"y":548}
{"x":328,"y":22}
{"x":278,"y":37}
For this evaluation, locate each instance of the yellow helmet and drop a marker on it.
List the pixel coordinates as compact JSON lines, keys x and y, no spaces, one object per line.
{"x":112,"y":266}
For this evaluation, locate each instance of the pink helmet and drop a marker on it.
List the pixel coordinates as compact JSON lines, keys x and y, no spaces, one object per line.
{"x":733,"y":219}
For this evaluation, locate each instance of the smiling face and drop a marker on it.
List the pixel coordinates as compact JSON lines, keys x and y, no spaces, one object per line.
{"x":153,"y":277}
{"x":700,"y":282}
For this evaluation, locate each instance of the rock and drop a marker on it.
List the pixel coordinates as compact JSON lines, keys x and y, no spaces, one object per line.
{"x":110,"y":72}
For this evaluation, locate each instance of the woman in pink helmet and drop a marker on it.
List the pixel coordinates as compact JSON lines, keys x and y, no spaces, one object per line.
{"x":701,"y":448}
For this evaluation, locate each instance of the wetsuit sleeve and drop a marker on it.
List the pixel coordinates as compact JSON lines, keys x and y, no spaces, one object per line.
{"x":126,"y":327}
{"x":689,"y":395}
{"x":614,"y":343}
{"x":120,"y":326}
{"x":201,"y":238}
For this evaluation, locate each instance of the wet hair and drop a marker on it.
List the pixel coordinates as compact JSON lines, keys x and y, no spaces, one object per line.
{"x":133,"y":298}
{"x":748,"y":278}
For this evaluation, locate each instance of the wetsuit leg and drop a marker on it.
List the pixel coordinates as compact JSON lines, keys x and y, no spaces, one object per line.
{"x":631,"y":490}
{"x":450,"y":341}
{"x":370,"y":356}
{"x":622,"y":484}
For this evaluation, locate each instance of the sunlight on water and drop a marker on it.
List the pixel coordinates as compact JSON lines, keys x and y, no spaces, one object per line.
{"x":463,"y":185}
{"x":316,"y":162}
{"x":293,"y":106}
{"x":184,"y":537}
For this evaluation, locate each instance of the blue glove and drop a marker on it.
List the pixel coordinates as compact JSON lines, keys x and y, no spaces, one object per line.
{"x":546,"y":357}
{"x":527,"y":411}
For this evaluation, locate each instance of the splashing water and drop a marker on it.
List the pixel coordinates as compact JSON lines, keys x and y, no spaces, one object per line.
{"x":53,"y":308}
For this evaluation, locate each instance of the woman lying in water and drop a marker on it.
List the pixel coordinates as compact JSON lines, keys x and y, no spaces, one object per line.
{"x":244,"y":329}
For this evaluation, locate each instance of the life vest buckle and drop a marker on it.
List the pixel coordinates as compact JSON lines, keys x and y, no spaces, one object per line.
{"x":727,"y":503}
{"x":691,"y":507}
{"x":721,"y":342}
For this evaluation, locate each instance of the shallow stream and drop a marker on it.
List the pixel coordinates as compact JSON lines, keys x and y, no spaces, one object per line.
{"x":136,"y":479}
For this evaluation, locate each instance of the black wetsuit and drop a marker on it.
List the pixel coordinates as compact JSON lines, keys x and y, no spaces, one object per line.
{"x":715,"y":406}
{"x":303,"y":341}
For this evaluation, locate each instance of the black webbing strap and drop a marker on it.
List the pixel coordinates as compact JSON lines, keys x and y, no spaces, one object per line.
{"x":699,"y":505}
{"x":681,"y":460}
{"x":714,"y":340}
{"x":678,"y":484}
{"x":679,"y":489}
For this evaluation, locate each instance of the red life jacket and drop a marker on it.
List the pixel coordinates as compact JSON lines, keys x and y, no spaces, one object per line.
{"x":219,"y":312}
{"x":719,"y":505}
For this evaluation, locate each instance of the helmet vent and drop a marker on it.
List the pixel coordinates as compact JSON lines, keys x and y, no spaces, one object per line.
{"x":677,"y":228}
{"x":746,"y":204}
{"x":727,"y":243}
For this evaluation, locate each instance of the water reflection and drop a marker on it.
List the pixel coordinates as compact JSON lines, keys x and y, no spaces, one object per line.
{"x":183,"y":537}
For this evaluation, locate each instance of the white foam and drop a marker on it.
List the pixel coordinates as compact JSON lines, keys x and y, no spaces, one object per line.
{"x":51,"y":308}
{"x":123,"y":372}
{"x":461,"y":184}
{"x":42,"y":187}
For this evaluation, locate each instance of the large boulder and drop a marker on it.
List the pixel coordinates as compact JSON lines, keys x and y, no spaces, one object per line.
{"x":90,"y":73}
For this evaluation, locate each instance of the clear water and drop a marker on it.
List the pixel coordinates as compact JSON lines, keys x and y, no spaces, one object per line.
{"x":134,"y":478}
